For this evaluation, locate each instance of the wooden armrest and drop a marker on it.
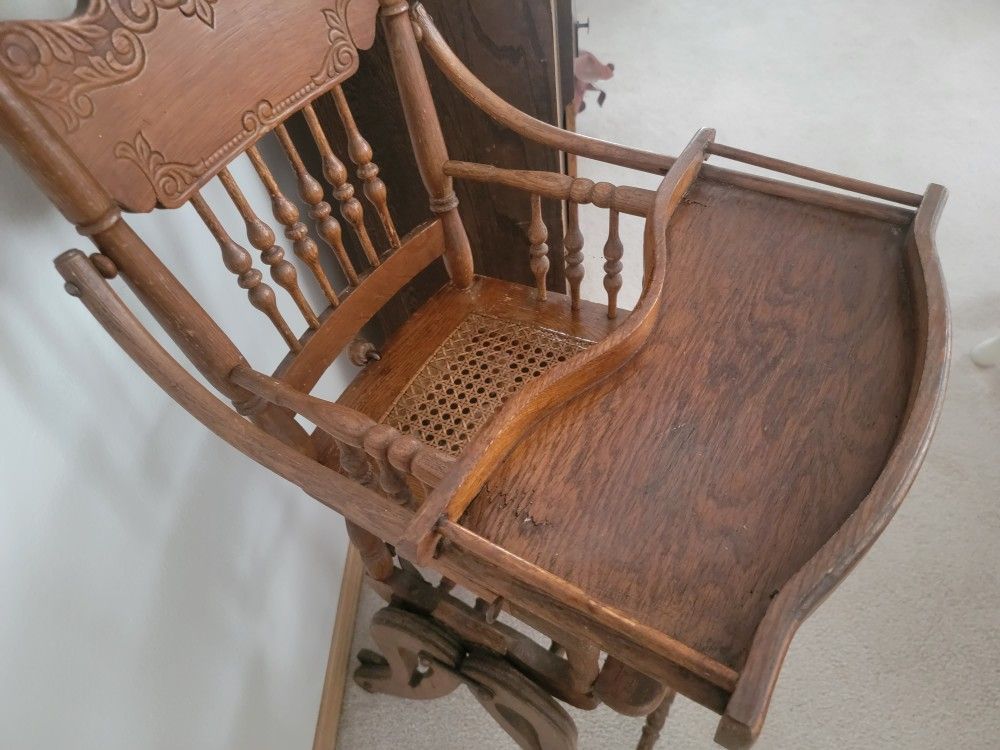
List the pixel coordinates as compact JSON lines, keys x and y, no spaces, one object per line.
{"x":390,"y":448}
{"x":510,"y":116}
{"x":358,"y":504}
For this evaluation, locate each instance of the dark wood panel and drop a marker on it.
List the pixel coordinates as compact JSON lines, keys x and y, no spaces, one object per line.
{"x":511,"y":46}
{"x":688,"y":488}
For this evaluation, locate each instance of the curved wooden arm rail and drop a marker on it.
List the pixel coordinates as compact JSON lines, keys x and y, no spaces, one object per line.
{"x":679,"y":485}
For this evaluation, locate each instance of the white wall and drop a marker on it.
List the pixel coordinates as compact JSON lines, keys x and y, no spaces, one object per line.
{"x":157,"y":589}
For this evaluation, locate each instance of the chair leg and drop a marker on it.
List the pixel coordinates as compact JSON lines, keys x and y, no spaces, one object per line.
{"x":654,"y":723}
{"x":331,"y":703}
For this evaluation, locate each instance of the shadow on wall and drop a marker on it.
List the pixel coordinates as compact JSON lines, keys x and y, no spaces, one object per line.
{"x":159,"y":589}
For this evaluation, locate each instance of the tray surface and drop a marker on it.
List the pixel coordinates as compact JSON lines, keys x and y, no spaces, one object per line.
{"x":686,"y":488}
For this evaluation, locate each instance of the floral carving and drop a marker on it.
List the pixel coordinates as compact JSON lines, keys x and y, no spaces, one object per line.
{"x":341,"y":54}
{"x":172,"y":181}
{"x":60,"y":64}
{"x":169,"y":179}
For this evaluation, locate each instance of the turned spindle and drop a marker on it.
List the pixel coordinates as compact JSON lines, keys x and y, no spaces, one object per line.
{"x":573,"y":244}
{"x":311,"y":191}
{"x":613,"y":252}
{"x":361,"y":154}
{"x":262,"y":238}
{"x":287,"y":213}
{"x":538,"y":235}
{"x":239,"y":261}
{"x":336,"y":175}
{"x":654,"y":723}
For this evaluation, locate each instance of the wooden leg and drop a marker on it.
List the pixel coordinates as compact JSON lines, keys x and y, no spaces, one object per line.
{"x":655,"y":722}
{"x":627,"y":690}
{"x":373,"y":551}
{"x":337,"y":665}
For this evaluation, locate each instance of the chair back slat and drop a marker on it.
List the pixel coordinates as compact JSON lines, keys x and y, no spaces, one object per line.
{"x":311,"y":191}
{"x":336,"y":175}
{"x":263,"y":239}
{"x":368,"y":172}
{"x":239,"y":261}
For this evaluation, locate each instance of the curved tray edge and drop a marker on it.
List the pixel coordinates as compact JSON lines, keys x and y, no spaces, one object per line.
{"x":747,"y":708}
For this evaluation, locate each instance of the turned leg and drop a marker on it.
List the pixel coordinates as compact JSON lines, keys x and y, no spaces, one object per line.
{"x":654,"y":723}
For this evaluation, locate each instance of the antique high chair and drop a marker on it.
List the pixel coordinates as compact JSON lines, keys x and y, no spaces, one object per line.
{"x":665,"y":493}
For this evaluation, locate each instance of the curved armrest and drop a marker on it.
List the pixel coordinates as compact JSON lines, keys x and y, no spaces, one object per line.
{"x":355,"y":502}
{"x":387,"y":445}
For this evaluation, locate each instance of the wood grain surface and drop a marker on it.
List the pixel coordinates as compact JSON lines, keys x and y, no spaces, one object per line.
{"x":154,"y":97}
{"x":687,"y":489}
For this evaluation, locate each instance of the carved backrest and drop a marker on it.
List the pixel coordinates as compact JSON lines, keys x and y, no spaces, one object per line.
{"x":137,"y":104}
{"x":154,"y":96}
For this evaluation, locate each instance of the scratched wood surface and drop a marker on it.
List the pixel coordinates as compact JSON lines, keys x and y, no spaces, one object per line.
{"x":688,"y":488}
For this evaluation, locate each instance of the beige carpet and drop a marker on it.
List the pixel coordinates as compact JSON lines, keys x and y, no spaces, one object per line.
{"x":906,"y":654}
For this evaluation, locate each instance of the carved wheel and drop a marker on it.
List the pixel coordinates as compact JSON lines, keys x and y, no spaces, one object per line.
{"x":526,"y":712}
{"x":419,"y":659}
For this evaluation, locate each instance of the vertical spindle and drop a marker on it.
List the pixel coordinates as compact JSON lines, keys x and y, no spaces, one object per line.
{"x":361,"y":154}
{"x":287,"y":213}
{"x":573,"y":243}
{"x":262,"y":237}
{"x":538,"y":235}
{"x":239,"y":261}
{"x":613,"y":252}
{"x":336,"y":174}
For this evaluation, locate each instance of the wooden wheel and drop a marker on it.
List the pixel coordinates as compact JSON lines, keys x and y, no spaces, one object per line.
{"x":526,"y":712}
{"x":413,"y":648}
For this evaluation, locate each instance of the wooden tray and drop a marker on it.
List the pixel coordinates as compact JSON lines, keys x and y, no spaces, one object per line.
{"x":719,"y":484}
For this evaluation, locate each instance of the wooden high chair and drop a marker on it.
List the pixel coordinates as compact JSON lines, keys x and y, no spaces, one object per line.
{"x":675,"y":487}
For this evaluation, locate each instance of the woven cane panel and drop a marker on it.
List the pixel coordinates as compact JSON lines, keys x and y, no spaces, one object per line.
{"x":477,"y":368}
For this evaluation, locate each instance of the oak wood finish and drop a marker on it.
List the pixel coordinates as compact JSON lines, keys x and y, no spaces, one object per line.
{"x":539,"y":250}
{"x":311,"y":191}
{"x":339,"y":326}
{"x":87,"y":76}
{"x":262,"y":237}
{"x":786,"y":490}
{"x":680,"y":494}
{"x":459,"y":488}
